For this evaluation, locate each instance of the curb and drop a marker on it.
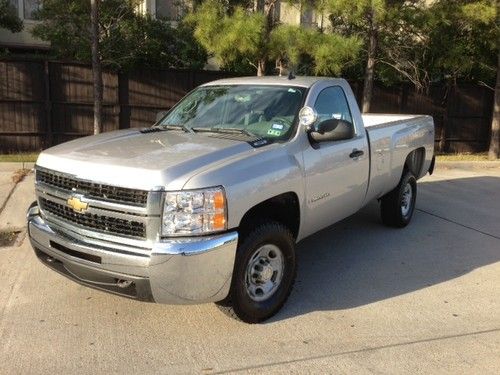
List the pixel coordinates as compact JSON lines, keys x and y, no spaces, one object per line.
{"x":467,"y":164}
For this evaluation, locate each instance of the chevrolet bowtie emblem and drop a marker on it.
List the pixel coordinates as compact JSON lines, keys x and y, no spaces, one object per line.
{"x":77,"y":205}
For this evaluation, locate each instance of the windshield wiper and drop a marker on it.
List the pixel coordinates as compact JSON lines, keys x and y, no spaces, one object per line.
{"x":218,"y":129}
{"x":176,"y":127}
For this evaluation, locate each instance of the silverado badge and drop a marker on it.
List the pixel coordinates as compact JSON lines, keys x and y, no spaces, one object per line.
{"x":77,"y":204}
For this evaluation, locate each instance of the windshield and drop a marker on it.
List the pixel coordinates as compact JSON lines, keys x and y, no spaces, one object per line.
{"x":262,"y":111}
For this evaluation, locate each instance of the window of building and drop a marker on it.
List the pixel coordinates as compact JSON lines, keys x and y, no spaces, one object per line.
{"x":14,"y":4}
{"x":171,"y":10}
{"x":307,"y":17}
{"x":30,"y":8}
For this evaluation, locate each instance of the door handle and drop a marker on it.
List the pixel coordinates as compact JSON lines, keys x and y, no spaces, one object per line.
{"x":356,"y":153}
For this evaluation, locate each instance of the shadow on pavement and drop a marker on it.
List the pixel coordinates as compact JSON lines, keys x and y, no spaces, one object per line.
{"x":359,"y":261}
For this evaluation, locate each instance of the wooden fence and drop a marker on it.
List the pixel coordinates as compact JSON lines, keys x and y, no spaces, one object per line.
{"x":43,"y":103}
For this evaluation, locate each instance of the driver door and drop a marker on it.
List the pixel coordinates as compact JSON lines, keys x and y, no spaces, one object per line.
{"x":336,"y":180}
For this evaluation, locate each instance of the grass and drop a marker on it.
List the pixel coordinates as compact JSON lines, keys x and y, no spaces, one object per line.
{"x":21,"y":157}
{"x":482,"y":156}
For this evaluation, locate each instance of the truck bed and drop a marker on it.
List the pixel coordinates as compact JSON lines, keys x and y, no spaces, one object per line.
{"x":371,"y":120}
{"x":391,"y":137}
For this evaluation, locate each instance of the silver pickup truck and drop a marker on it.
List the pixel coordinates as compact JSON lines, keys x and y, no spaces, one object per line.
{"x":208,"y":203}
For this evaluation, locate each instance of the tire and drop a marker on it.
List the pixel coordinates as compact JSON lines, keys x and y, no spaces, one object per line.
{"x":397,"y":206}
{"x":260,"y":287}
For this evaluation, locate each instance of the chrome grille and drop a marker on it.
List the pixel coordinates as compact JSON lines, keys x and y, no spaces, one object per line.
{"x":101,"y":223}
{"x":93,"y":190}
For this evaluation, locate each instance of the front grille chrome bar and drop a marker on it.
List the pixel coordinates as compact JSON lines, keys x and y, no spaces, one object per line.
{"x":98,"y":222}
{"x":92,"y":189}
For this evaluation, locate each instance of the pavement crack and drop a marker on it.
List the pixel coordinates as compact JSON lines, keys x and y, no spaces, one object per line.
{"x":8,"y":197}
{"x":19,"y":178}
{"x":357,"y":351}
{"x":457,"y":223}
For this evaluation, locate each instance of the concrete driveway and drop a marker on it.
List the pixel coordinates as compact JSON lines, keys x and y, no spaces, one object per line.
{"x":368,"y":299}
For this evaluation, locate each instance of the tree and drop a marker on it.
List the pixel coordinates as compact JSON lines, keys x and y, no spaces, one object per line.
{"x":328,"y":53}
{"x":8,"y":17}
{"x":111,"y":33}
{"x":403,"y":45}
{"x":127,"y":38}
{"x":232,"y":33}
{"x":96,"y":65}
{"x":494,"y":149}
{"x":361,"y":18}
{"x":463,"y":38}
{"x":393,"y":35}
{"x":229,"y":37}
{"x":483,"y":22}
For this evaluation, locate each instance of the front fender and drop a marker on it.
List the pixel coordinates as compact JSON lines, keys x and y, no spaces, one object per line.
{"x":254,"y":178}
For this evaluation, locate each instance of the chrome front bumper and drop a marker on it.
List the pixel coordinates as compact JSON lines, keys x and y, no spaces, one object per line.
{"x":180,"y":271}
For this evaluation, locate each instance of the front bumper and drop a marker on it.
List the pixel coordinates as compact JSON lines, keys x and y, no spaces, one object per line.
{"x":175,"y":271}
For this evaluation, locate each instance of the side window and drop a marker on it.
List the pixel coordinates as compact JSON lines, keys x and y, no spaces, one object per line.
{"x":332,"y":103}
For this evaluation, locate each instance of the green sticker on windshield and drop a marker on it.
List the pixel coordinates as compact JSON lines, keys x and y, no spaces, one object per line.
{"x":273,"y":132}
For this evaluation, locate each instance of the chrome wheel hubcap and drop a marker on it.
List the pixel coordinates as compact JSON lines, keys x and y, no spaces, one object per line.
{"x":264,"y":272}
{"x":406,"y":200}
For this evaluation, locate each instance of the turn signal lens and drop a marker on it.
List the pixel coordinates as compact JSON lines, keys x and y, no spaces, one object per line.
{"x":219,"y":221}
{"x":219,"y":202}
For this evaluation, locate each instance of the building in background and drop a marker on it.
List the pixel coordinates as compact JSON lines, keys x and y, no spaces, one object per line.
{"x":23,"y":41}
{"x":297,"y":14}
{"x":170,"y":10}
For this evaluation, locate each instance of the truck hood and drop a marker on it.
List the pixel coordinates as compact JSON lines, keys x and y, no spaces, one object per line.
{"x":129,"y":158}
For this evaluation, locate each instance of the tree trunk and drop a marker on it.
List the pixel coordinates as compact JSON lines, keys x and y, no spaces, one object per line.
{"x":265,"y":7}
{"x":96,"y":66}
{"x":494,"y":151}
{"x":261,"y":67}
{"x":370,"y":63}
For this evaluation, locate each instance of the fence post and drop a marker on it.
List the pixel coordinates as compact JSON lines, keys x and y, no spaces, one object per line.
{"x":192,"y":81}
{"x":403,"y":102}
{"x":49,"y":139}
{"x":444,"y":128}
{"x":123,"y":101}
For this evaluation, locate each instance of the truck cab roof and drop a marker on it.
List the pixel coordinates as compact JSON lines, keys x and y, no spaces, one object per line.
{"x":300,"y":81}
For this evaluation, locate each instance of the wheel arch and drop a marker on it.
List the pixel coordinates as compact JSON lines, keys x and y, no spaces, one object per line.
{"x":283,"y":208}
{"x":414,"y":162}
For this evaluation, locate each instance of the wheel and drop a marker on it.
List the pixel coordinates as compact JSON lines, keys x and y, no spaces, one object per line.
{"x":398,"y":205}
{"x":264,"y":273}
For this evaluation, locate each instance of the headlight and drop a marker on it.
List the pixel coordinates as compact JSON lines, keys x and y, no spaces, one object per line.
{"x":194,"y":212}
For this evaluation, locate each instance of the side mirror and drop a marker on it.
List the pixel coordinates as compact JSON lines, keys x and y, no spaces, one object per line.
{"x":332,"y":130}
{"x":160,"y":115}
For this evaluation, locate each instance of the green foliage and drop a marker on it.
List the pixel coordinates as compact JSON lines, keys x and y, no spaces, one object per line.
{"x":289,"y":42}
{"x":333,"y":53}
{"x":403,"y":44}
{"x":237,"y":36}
{"x":420,"y":41}
{"x":127,"y":39}
{"x":230,"y":38}
{"x":350,"y":16}
{"x":8,"y":17}
{"x":325,"y":54}
{"x":463,"y":40}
